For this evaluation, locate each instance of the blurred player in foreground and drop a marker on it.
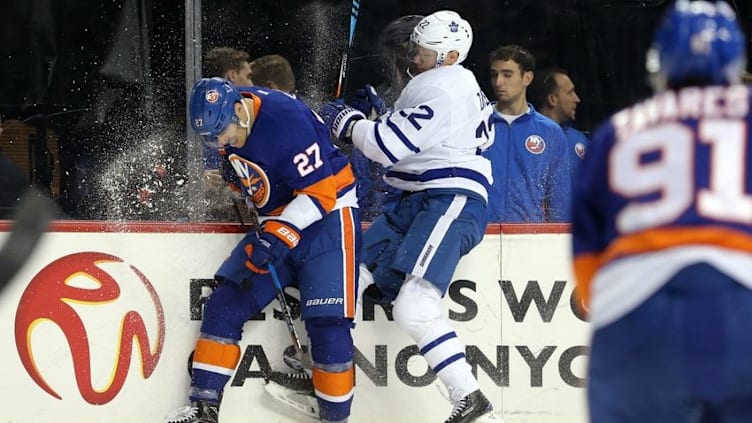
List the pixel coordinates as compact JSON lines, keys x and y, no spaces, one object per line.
{"x":662,"y":234}
{"x":431,"y":144}
{"x":304,"y":190}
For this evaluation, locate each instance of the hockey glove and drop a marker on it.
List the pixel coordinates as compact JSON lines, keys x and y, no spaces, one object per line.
{"x":275,"y":242}
{"x":340,"y":119}
{"x":367,"y":102}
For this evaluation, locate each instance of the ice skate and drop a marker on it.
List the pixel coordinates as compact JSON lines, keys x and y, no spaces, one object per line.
{"x":294,"y":390}
{"x":299,"y":381}
{"x":197,"y":412}
{"x":474,"y":407}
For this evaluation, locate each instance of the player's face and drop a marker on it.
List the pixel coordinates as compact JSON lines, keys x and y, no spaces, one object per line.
{"x":508,"y":81}
{"x":423,"y":58}
{"x":234,"y":135}
{"x":566,"y":96}
{"x":241,"y":77}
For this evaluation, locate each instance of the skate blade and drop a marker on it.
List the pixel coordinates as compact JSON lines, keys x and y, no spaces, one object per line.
{"x":306,"y":404}
{"x":491,"y":417}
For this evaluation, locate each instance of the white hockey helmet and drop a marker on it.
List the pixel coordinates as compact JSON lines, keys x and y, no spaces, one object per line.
{"x":442,"y":32}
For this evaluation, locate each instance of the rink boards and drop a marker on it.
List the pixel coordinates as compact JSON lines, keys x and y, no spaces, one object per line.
{"x":99,"y":323}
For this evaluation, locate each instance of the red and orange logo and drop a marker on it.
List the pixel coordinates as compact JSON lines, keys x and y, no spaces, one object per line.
{"x":212,"y":96}
{"x":63,"y":298}
{"x":535,"y":144}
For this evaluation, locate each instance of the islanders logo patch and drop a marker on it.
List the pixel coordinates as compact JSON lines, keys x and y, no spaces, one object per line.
{"x":212,"y":96}
{"x":254,"y":178}
{"x":579,"y":149}
{"x":535,"y":144}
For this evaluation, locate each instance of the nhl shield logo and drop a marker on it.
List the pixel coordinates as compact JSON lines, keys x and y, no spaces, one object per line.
{"x":212,"y":96}
{"x":535,"y":144}
{"x":454,"y":26}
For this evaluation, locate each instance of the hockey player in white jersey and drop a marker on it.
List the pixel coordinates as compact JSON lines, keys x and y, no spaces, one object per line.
{"x":431,"y":145}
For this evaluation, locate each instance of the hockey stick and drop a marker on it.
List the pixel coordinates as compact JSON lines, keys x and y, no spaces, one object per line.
{"x":300,"y":352}
{"x":340,"y":93}
{"x":30,"y":222}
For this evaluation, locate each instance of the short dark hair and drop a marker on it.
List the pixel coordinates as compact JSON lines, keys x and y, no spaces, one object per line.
{"x":273,"y":68}
{"x":220,"y":60}
{"x":544,"y":85}
{"x":515,"y":53}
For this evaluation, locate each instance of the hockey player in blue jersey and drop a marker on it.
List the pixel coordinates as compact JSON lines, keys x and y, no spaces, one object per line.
{"x":554,"y":97}
{"x":304,"y":189}
{"x":532,"y":180}
{"x":431,"y":145}
{"x":662,"y":234}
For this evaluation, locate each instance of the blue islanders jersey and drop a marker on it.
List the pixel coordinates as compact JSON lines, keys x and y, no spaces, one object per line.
{"x":577,"y":145}
{"x":665,"y":184}
{"x":532,"y":180}
{"x":288,"y":166}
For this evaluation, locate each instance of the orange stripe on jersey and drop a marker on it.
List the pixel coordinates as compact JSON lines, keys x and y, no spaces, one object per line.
{"x":661,"y":239}
{"x":334,"y":384}
{"x":348,"y":244}
{"x":216,"y":353}
{"x":586,"y":265}
{"x":344,"y":178}
{"x":256,"y":102}
{"x":324,"y":191}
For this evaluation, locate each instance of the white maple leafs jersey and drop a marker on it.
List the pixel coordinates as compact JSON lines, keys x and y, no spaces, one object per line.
{"x":433,"y":139}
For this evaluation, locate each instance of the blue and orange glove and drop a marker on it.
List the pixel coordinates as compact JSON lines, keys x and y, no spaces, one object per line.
{"x":276,"y":240}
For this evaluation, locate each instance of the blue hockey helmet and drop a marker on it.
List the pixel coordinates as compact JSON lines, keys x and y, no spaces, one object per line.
{"x":697,"y":43}
{"x":212,"y":107}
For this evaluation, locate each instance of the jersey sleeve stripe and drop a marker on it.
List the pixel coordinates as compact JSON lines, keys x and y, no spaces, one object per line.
{"x":382,"y":146}
{"x":323,"y":193}
{"x":401,"y":135}
{"x":585,"y":267}
{"x":587,"y":264}
{"x":344,"y":179}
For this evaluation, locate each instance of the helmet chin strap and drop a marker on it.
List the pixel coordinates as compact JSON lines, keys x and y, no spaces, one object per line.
{"x":247,"y":124}
{"x":440,"y":58}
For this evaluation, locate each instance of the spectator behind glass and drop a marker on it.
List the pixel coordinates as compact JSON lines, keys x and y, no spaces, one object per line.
{"x":229,"y":63}
{"x":532,"y":181}
{"x":553,"y":94}
{"x":273,"y":71}
{"x":13,"y":183}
